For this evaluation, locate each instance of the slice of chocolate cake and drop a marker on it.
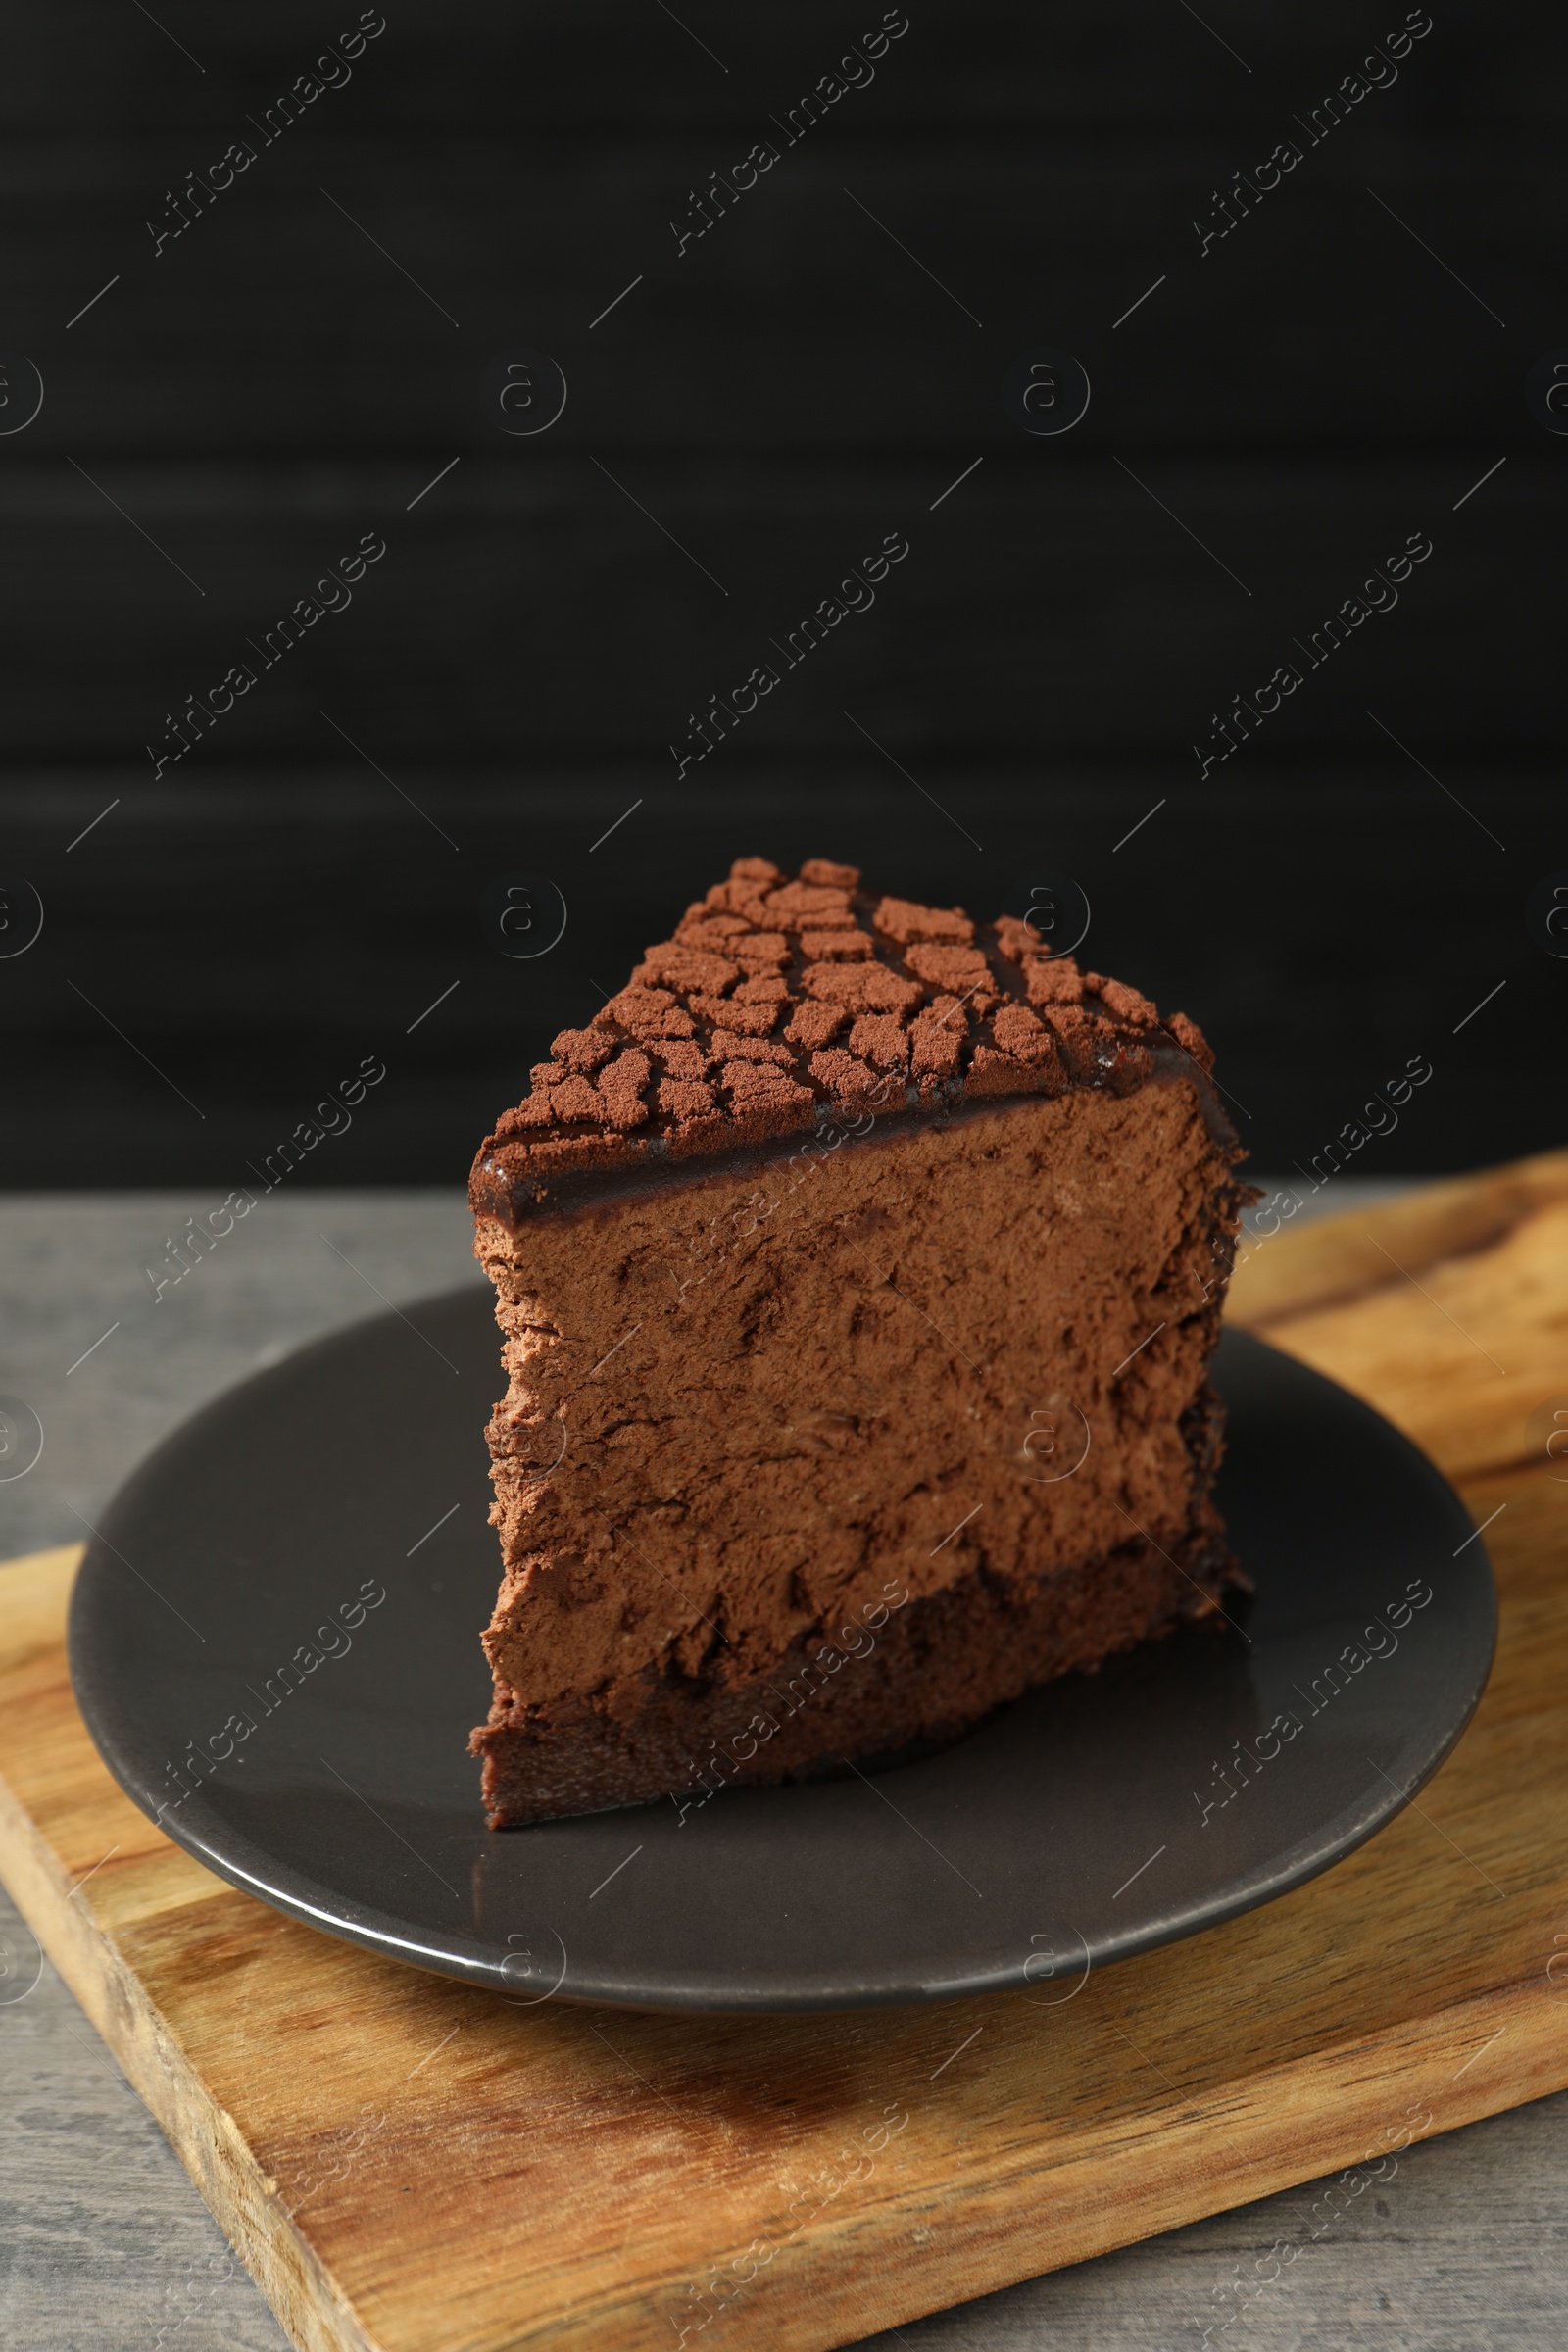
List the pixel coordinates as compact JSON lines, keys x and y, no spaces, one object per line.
{"x":858,"y":1268}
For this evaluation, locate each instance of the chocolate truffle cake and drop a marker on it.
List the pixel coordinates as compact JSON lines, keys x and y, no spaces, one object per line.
{"x":858,"y":1267}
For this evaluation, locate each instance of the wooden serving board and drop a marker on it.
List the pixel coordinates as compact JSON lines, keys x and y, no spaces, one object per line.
{"x":409,"y":2164}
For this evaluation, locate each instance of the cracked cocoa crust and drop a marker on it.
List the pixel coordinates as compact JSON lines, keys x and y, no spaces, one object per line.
{"x":783,"y":1000}
{"x":792,"y":1332}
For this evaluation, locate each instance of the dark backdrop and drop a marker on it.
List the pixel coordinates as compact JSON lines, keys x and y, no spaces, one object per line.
{"x":1275,"y":417}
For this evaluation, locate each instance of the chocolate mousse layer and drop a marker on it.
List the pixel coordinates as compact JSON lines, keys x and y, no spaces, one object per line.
{"x":858,"y":1269}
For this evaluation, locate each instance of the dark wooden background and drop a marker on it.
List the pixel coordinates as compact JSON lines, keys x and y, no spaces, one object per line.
{"x":232,"y":937}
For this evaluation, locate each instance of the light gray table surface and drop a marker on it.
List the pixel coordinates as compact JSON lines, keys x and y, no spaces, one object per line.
{"x":103,"y":2240}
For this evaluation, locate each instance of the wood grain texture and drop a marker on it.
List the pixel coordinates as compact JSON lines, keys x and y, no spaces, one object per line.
{"x":407,"y":2163}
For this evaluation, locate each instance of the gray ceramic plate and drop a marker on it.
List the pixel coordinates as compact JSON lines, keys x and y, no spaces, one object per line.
{"x":1100,"y":1816}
